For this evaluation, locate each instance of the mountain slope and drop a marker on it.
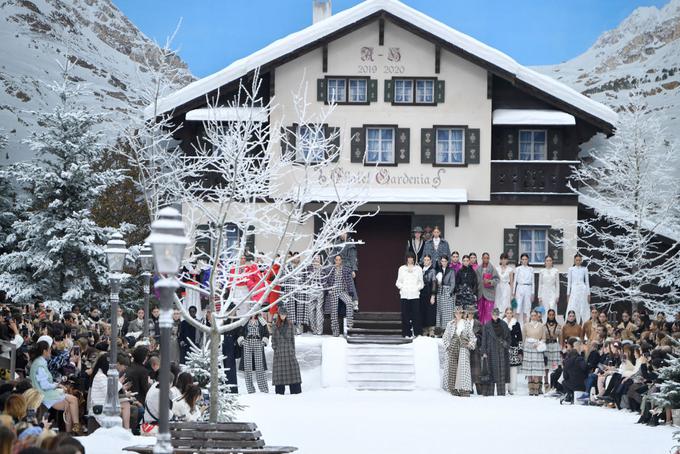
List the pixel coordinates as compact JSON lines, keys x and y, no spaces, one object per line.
{"x":643,"y":51}
{"x":36,"y":35}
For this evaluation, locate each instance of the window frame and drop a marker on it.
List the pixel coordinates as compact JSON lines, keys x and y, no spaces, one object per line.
{"x":436,"y":163}
{"x":533,"y":229}
{"x":544,"y":157}
{"x":414,"y":84}
{"x":347,"y":80}
{"x":394,"y":146}
{"x":298,"y":146}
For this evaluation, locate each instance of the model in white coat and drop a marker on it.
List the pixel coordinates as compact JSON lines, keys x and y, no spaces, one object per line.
{"x":504,"y":288}
{"x":523,"y":289}
{"x":578,"y":290}
{"x":548,"y":287}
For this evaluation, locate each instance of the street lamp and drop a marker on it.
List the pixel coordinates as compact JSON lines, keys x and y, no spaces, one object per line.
{"x":146,"y":261}
{"x":115,"y":257}
{"x":167,"y":242}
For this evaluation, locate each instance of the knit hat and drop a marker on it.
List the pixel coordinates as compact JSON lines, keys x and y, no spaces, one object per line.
{"x":496,"y":312}
{"x":47,"y":339}
{"x":417,"y":229}
{"x":282,"y":310}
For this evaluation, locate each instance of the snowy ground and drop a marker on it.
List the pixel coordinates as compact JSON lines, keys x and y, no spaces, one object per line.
{"x":341,"y":420}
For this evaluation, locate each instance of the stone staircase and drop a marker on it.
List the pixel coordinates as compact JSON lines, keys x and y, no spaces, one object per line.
{"x":378,"y":358}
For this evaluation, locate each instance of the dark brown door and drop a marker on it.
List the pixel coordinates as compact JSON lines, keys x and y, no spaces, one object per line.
{"x":385,"y":237}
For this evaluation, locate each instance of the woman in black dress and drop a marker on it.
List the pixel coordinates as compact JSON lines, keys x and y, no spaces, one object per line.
{"x":428,"y":301}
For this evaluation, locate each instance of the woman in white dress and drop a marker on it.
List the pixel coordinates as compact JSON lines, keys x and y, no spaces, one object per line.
{"x":548,"y":287}
{"x":504,"y":288}
{"x":578,"y":290}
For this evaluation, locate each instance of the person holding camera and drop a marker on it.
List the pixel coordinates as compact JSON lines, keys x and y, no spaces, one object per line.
{"x":574,"y":371}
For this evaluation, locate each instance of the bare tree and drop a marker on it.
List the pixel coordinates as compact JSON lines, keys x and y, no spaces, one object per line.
{"x":634,"y":193}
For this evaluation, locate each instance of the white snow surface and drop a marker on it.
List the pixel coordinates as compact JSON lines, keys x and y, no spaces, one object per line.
{"x":112,"y":441}
{"x":532,"y":117}
{"x":349,"y":16}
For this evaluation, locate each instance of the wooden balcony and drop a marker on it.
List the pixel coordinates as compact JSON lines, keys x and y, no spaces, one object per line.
{"x":527,"y":181}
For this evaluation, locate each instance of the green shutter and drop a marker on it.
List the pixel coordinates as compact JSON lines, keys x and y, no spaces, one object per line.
{"x":427,"y":146}
{"x":288,"y":139}
{"x":555,"y":246}
{"x":439,"y":91}
{"x":334,"y":134}
{"x":358,"y":147}
{"x":555,"y":144}
{"x":511,"y":244}
{"x":403,"y":145}
{"x":203,"y":244}
{"x":389,"y":90}
{"x":472,"y":146}
{"x":372,"y":90}
{"x":321,"y":90}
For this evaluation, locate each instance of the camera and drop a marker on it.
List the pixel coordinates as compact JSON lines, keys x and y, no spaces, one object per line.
{"x":97,"y":409}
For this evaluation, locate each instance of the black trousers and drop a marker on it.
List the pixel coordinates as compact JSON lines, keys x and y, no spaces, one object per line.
{"x":295,"y":388}
{"x":410,"y":317}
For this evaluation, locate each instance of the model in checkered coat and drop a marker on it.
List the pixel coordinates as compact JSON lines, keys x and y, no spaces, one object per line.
{"x":475,"y":355}
{"x":340,"y":287}
{"x":285,"y":370}
{"x":315,"y":284}
{"x":446,"y":284}
{"x":254,"y":336}
{"x":296,"y":294}
{"x":458,"y":340}
{"x":495,"y":345}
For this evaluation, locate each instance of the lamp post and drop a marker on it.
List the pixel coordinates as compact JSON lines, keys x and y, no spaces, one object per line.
{"x":115,"y":256}
{"x":167,"y":242}
{"x":146,"y":261}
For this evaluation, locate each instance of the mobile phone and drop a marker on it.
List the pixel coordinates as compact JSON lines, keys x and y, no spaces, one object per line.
{"x":76,"y":350}
{"x":74,"y":332}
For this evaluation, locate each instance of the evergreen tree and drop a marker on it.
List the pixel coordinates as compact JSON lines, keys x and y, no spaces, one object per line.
{"x":58,"y":253}
{"x":669,"y":392}
{"x":198,"y":364}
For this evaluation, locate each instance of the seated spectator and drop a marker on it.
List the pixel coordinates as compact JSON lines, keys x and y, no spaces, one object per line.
{"x":185,"y":408}
{"x":137,"y":374}
{"x":574,"y":371}
{"x":97,"y":394}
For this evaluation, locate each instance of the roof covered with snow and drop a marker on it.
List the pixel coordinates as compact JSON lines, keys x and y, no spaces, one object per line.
{"x":541,"y":117}
{"x":348,"y":17}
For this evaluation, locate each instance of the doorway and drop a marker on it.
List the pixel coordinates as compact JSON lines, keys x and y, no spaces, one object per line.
{"x":383,"y":251}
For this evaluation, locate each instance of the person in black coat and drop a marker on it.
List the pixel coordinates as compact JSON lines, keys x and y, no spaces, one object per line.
{"x":137,"y":374}
{"x":187,"y":332}
{"x":574,"y":371}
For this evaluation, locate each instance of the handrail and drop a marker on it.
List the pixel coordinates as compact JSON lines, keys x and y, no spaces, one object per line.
{"x":12,"y":356}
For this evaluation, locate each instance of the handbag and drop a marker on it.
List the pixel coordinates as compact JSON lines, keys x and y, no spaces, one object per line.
{"x":513,"y":304}
{"x":541,"y":346}
{"x":487,"y":277}
{"x":485,"y":374}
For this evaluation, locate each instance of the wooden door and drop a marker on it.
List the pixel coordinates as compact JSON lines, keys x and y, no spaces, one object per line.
{"x":385,"y":237}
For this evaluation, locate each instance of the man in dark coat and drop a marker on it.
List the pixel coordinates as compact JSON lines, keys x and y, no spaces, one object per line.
{"x":575,"y":371}
{"x":475,"y":355}
{"x":187,"y":332}
{"x":495,"y":345}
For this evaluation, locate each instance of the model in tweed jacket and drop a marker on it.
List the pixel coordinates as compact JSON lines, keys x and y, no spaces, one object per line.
{"x":495,"y":345}
{"x":285,"y":369}
{"x":264,"y":337}
{"x":458,"y":340}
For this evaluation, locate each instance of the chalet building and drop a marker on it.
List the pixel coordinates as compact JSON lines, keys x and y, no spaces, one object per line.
{"x":448,"y":131}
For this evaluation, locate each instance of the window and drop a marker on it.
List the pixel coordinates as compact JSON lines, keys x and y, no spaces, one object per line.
{"x":403,"y":91}
{"x":532,"y":144}
{"x":358,"y":89}
{"x":380,"y":145}
{"x":311,"y":144}
{"x":450,"y":146}
{"x":425,"y":91}
{"x":534,"y":243}
{"x":336,"y":90}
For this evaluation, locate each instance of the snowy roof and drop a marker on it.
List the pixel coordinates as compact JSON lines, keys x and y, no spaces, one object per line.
{"x":532,"y":117}
{"x":228,"y":114}
{"x":398,"y":195}
{"x":345,"y":18}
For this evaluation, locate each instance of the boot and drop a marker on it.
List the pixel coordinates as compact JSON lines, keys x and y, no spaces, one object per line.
{"x":532,"y":388}
{"x":539,"y":388}
{"x":76,"y":429}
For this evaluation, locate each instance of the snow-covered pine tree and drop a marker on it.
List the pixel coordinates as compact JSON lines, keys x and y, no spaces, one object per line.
{"x":58,"y":253}
{"x":632,"y":188}
{"x":198,"y":365}
{"x":669,"y":392}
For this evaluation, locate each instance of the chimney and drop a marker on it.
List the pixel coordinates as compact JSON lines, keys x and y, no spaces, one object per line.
{"x":321,"y":9}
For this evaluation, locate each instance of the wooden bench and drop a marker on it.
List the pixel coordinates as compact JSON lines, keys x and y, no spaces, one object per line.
{"x":219,"y":438}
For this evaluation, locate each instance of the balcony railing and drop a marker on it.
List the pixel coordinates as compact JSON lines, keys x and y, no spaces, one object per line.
{"x":539,"y":177}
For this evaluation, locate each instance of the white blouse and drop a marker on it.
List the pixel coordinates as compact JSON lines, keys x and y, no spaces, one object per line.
{"x":577,"y":275}
{"x":524,"y":275}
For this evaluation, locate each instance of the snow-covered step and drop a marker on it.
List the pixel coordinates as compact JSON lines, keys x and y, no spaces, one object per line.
{"x":381,"y":367}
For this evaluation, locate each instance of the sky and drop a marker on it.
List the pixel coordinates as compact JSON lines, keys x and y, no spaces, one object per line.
{"x":214,"y":33}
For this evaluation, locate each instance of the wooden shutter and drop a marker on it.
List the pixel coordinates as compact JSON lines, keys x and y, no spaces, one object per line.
{"x":372,"y":90}
{"x":288,"y":139}
{"x":472,"y":146}
{"x":389,"y":90}
{"x":403,"y":145}
{"x":510,"y":146}
{"x":358,"y":144}
{"x":333,"y":132}
{"x":438,"y":91}
{"x":203,"y":244}
{"x":427,"y":146}
{"x":250,"y":240}
{"x":321,"y":90}
{"x":555,"y":249}
{"x":555,"y":144}
{"x":511,"y":244}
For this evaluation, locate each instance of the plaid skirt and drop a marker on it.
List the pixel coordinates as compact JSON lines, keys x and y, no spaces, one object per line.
{"x":533,"y":364}
{"x":515,"y":356}
{"x":553,"y":355}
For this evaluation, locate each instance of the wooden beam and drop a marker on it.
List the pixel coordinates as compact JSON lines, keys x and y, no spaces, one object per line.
{"x":272,"y":82}
{"x":324,"y":54}
{"x":381,"y":31}
{"x":457,"y":214}
{"x":489,"y":85}
{"x":437,"y":58}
